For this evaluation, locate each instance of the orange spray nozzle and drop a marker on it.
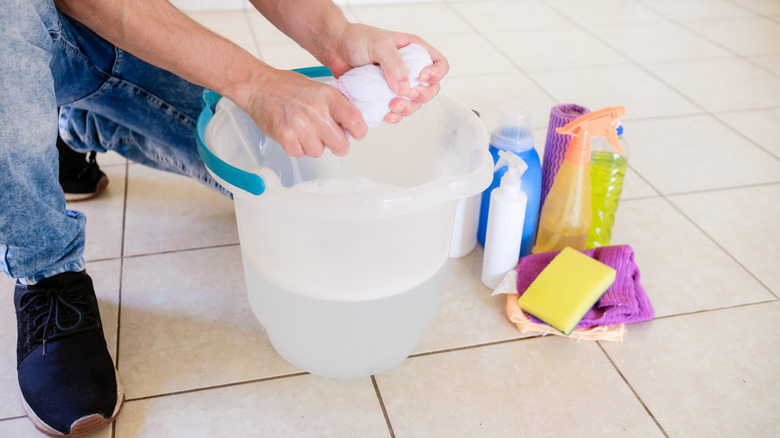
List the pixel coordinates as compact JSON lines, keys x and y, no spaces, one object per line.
{"x":601,"y":123}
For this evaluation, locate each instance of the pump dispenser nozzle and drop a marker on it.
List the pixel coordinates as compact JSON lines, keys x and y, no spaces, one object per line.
{"x":516,"y":167}
{"x":601,"y":123}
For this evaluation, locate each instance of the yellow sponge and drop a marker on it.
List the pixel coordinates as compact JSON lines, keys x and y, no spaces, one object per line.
{"x":566,"y":289}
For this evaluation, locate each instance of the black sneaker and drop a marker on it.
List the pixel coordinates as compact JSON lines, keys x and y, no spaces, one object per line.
{"x":67,"y":378}
{"x":80,"y":176}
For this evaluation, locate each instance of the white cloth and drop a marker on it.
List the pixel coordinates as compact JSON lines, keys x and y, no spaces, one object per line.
{"x":367,"y":88}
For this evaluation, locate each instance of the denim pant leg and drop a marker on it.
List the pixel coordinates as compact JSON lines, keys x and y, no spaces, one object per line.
{"x":142,"y":112}
{"x":38,"y":237}
{"x":112,"y":100}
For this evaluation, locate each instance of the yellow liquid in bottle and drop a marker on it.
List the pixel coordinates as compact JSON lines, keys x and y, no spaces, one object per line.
{"x":608,"y":169}
{"x":565,"y":217}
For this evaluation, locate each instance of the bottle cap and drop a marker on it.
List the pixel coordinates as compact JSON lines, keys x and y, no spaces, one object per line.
{"x":513,"y":132}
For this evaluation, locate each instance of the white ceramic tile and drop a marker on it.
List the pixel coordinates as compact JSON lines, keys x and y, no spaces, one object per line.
{"x":536,"y":387}
{"x":469,"y":54}
{"x":697,"y":9}
{"x":185,"y":315}
{"x":263,"y":31}
{"x":722,"y":84}
{"x":759,"y":126}
{"x":168,"y":212}
{"x":387,"y":2}
{"x":110,"y":158}
{"x":287,"y":56}
{"x":105,"y":216}
{"x":468,"y":314}
{"x":555,"y":48}
{"x":769,"y":62}
{"x":682,"y":269}
{"x":634,"y":186}
{"x":105,"y":276}
{"x":301,"y":406}
{"x":233,"y":25}
{"x":642,"y":94}
{"x":745,"y":36}
{"x":694,"y":153}
{"x":487,"y":93}
{"x":210,"y":5}
{"x":741,"y":220}
{"x":508,"y":15}
{"x":707,"y":374}
{"x":647,"y":42}
{"x":23,"y":428}
{"x":605,"y":11}
{"x":422,"y":19}
{"x":10,"y":404}
{"x":765,"y":7}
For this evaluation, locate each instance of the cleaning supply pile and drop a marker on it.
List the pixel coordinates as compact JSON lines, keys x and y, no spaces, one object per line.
{"x":546,"y":230}
{"x":554,"y":260}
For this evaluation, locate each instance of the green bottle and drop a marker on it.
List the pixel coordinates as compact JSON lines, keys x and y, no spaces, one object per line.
{"x":607,"y":171}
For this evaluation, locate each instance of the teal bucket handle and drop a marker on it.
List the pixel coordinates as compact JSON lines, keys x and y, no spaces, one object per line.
{"x":247,"y":181}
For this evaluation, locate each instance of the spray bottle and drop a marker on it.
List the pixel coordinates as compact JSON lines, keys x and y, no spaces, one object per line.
{"x":513,"y":134}
{"x":607,"y":171}
{"x":566,"y":214}
{"x":505,"y":228}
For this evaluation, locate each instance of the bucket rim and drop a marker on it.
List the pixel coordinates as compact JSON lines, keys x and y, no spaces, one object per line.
{"x":247,"y":181}
{"x":254,"y":182}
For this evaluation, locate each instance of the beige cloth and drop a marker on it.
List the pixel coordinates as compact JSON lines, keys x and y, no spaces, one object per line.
{"x":508,"y":286}
{"x":598,"y":333}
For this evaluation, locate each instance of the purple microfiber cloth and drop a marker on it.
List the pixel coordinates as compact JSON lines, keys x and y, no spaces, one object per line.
{"x":556,"y":144}
{"x":624,"y":302}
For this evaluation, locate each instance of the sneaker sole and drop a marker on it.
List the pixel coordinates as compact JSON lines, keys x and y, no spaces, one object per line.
{"x":84,"y":425}
{"x":76,"y":197}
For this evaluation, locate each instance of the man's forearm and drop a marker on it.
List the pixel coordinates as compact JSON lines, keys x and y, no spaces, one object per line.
{"x":154,"y":30}
{"x":313,"y":24}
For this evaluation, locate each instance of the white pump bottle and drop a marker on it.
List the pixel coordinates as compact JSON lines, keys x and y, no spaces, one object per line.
{"x":504,"y":234}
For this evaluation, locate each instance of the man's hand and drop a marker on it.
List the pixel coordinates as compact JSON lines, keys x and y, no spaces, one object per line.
{"x":303,"y":115}
{"x":360,"y":44}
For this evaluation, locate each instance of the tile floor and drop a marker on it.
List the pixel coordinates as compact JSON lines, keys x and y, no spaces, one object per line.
{"x":701,"y":82}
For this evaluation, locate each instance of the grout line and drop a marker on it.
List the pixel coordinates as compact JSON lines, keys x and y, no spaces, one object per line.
{"x":508,"y":58}
{"x":121,"y":278}
{"x":382,"y":405}
{"x":719,"y":245}
{"x":630,"y":60}
{"x":717,"y":309}
{"x":220,"y":386}
{"x":625,"y":380}
{"x":473,"y":347}
{"x":682,"y":23}
{"x":170,"y":251}
{"x":722,"y":189}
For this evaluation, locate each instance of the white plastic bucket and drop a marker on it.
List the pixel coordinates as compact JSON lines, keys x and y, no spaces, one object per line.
{"x":345,"y":283}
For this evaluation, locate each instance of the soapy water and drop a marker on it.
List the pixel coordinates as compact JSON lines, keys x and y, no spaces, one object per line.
{"x":359,"y":185}
{"x":343,"y":339}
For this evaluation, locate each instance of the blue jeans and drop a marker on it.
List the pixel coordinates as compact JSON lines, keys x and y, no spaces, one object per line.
{"x":109,"y":99}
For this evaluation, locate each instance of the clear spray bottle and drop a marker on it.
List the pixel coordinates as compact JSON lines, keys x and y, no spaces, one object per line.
{"x":607,"y":171}
{"x":566,"y":213}
{"x":504,"y":234}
